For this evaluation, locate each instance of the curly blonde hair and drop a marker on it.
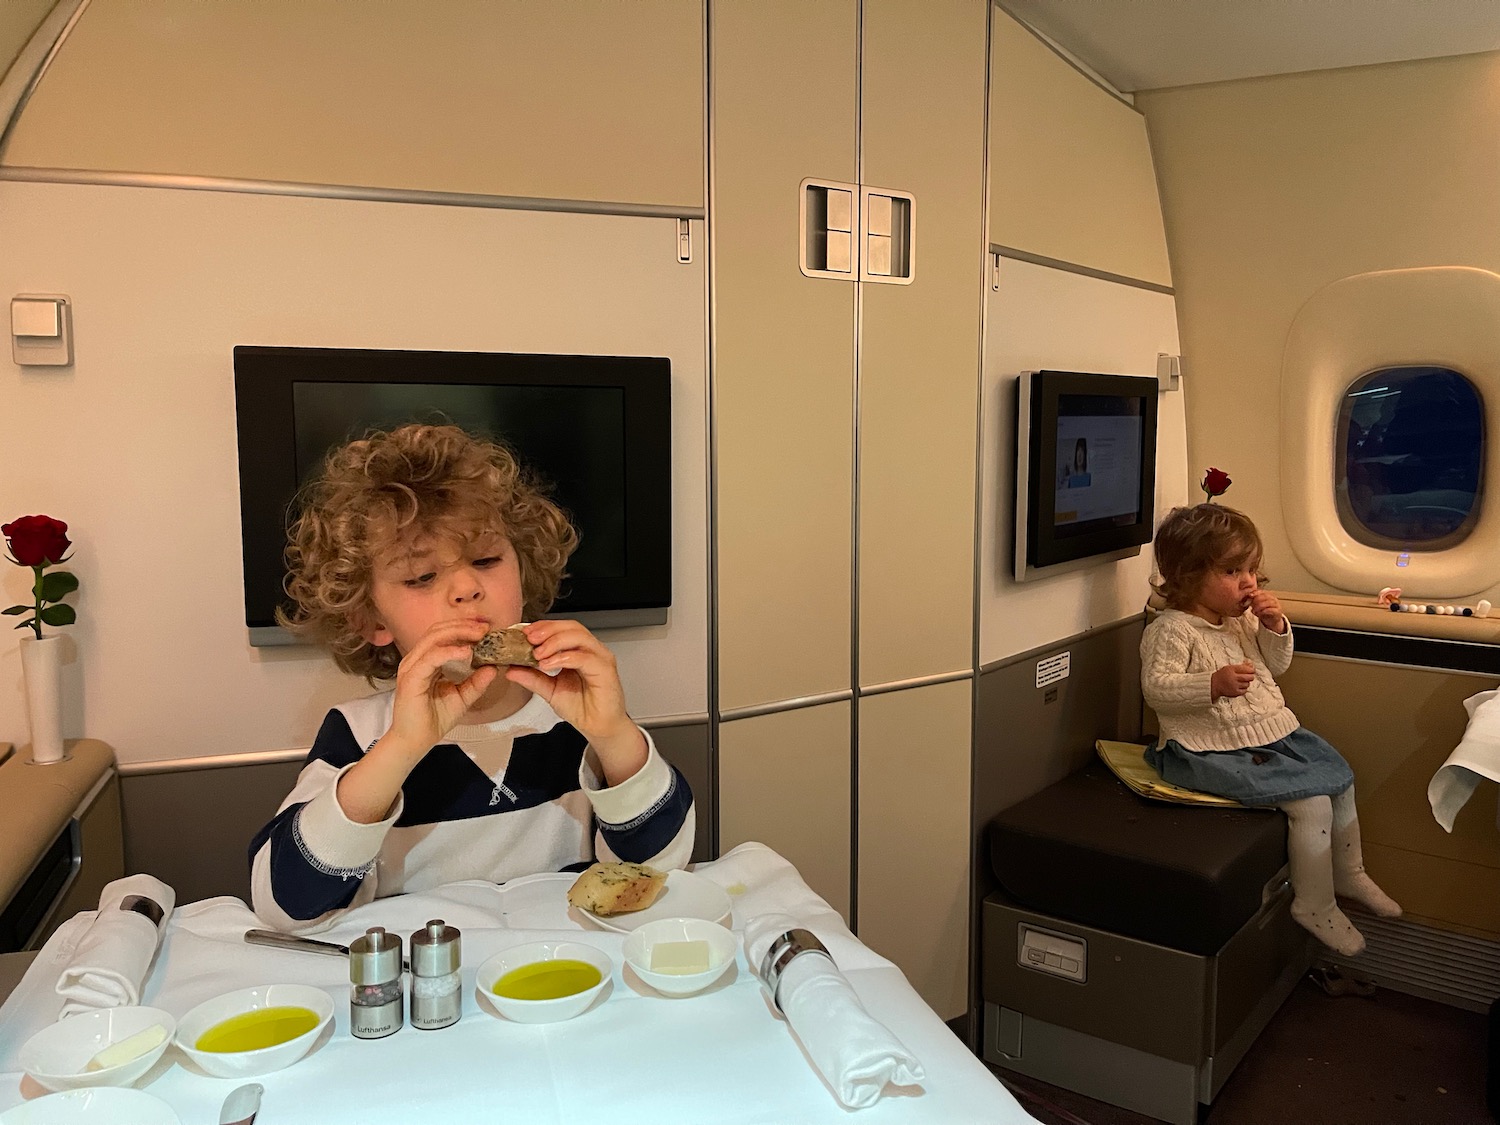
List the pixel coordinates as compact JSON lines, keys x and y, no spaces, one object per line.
{"x":390,"y":488}
{"x":1195,"y":540}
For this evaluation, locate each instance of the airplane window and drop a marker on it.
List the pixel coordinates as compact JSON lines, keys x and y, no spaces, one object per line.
{"x":1410,"y":456}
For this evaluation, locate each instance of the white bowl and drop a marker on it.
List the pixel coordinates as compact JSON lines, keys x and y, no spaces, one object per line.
{"x":542,"y":1011}
{"x":721,"y":950}
{"x":98,"y":1106}
{"x":56,"y":1055}
{"x":245,"y":1064}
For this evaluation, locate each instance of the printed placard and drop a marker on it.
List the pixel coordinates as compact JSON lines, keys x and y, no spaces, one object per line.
{"x":1053,"y":668}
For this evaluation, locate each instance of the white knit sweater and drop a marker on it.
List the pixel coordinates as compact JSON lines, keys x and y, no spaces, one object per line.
{"x":1180,"y":653}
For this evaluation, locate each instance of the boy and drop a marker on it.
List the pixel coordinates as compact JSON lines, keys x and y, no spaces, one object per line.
{"x":411,"y":545}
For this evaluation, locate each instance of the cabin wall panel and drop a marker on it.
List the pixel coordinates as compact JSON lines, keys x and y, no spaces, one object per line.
{"x":915,"y":748}
{"x":1072,"y":177}
{"x":1041,"y":317}
{"x":784,"y":781}
{"x":588,"y":100}
{"x":134,"y":444}
{"x":18,"y":20}
{"x":1396,"y":726}
{"x":1276,"y":187}
{"x":919,"y":343}
{"x":783,"y":354}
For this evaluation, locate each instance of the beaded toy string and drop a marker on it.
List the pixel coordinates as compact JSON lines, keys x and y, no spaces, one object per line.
{"x":1391,"y":596}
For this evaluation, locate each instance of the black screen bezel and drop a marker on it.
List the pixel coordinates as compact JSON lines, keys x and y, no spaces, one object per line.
{"x":264,"y":418}
{"x":1044,"y":547}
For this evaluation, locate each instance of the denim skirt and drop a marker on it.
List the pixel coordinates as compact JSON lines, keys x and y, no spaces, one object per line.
{"x":1289,"y":769}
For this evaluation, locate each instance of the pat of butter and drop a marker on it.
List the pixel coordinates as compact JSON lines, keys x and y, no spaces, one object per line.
{"x":679,"y":958}
{"x":128,"y":1049}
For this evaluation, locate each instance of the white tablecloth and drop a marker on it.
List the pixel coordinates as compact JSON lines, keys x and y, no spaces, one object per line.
{"x":634,"y":1057}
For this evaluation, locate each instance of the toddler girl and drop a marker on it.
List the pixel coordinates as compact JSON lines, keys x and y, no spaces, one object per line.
{"x":1208,"y":668}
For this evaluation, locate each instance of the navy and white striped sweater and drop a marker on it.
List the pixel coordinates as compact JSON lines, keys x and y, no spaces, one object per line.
{"x":494,"y":802}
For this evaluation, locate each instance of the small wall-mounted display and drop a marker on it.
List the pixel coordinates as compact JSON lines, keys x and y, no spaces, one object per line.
{"x":1085,"y":469}
{"x":597,"y":428}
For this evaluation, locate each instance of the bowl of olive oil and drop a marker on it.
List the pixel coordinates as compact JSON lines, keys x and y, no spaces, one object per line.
{"x":254,"y":1030}
{"x":544,"y":981}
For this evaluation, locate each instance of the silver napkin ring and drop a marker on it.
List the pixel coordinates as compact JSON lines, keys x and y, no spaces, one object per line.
{"x":140,"y":904}
{"x":781,"y":953}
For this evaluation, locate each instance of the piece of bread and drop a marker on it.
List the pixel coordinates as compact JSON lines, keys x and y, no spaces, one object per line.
{"x":504,"y":646}
{"x":616,"y":888}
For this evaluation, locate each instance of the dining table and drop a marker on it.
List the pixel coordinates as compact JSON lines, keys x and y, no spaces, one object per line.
{"x":634,"y":1056}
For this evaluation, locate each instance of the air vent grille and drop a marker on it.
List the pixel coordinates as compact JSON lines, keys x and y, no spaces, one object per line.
{"x":1422,"y":960}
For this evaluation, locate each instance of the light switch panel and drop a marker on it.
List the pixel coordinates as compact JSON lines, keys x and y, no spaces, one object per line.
{"x":30,"y":317}
{"x":41,"y":330}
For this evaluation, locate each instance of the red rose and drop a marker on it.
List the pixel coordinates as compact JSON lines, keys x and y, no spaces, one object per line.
{"x":1216,"y":482}
{"x":37,"y":540}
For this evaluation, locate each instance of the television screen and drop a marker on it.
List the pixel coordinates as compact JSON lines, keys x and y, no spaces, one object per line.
{"x":596,"y":429}
{"x":1086,"y":469}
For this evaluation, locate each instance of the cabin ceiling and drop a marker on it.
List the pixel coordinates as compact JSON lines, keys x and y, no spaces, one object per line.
{"x":1150,"y":44}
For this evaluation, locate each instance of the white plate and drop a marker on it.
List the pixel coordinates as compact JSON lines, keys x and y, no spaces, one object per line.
{"x":686,"y":896}
{"x":98,"y":1105}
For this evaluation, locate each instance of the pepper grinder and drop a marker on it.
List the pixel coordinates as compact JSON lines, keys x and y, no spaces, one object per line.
{"x":436,"y":1000}
{"x":375,"y":991}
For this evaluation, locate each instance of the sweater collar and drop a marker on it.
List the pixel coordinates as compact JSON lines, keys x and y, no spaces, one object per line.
{"x":1199,"y":623}
{"x":534,"y":717}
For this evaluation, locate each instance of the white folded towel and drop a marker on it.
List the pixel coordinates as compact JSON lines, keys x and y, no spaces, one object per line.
{"x":113,"y":956}
{"x":1476,"y":757}
{"x":855,"y":1053}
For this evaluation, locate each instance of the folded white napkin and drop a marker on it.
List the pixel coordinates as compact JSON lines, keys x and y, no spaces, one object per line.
{"x":855,"y":1053}
{"x":1476,"y":757}
{"x":112,"y":957}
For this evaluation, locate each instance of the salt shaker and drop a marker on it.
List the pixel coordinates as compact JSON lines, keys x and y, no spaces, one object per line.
{"x":375,"y":992}
{"x":436,"y":1000}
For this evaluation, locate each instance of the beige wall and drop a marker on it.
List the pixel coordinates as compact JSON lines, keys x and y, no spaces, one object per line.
{"x":1275,"y":187}
{"x":1396,"y":726}
{"x":18,"y":19}
{"x":1072,"y":177}
{"x":588,"y":100}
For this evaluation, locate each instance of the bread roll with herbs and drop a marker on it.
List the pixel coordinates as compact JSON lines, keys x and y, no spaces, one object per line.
{"x":616,"y":888}
{"x":504,"y":646}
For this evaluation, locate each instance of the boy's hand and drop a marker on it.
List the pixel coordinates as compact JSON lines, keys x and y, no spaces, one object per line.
{"x":1265,"y":606}
{"x":426,"y":705}
{"x":585,"y":691}
{"x":1232,"y":680}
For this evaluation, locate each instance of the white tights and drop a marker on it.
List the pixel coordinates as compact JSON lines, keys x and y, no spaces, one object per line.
{"x":1324,"y":857}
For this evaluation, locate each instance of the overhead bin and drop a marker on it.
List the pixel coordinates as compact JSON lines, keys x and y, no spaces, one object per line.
{"x":591,"y":100}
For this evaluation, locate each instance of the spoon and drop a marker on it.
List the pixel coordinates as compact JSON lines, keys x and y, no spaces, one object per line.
{"x":241,"y":1106}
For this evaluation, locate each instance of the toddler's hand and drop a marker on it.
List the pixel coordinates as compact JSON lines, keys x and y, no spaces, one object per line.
{"x":1265,"y":606}
{"x":586,"y":691}
{"x":1232,"y":680}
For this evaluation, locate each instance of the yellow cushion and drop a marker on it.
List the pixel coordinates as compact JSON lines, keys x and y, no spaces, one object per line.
{"x":1128,"y":761}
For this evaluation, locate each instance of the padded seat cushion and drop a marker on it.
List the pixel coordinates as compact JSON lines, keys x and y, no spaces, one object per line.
{"x":1088,"y":850}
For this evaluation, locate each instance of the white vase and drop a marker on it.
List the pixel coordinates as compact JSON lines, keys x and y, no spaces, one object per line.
{"x":41,"y":661}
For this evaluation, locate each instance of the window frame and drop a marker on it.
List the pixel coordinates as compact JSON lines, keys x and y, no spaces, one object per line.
{"x":1443,"y":316}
